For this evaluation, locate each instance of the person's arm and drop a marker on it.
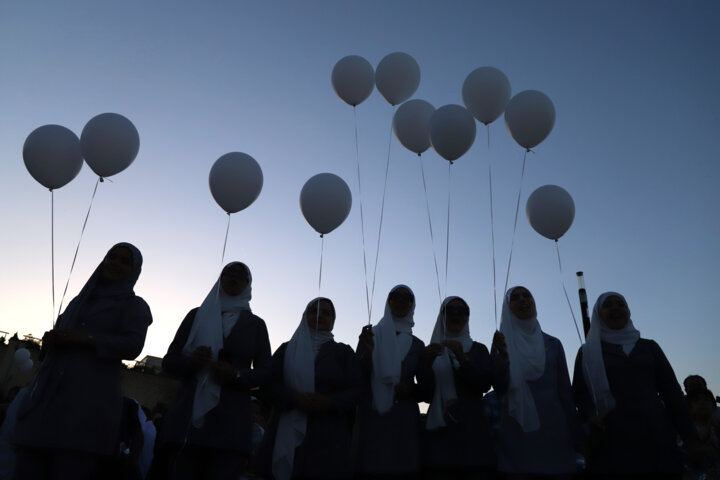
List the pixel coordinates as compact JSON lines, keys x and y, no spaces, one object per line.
{"x":424,"y":385}
{"x":566,"y":396}
{"x":581,"y":392}
{"x":347,"y":399}
{"x":282,"y":397}
{"x":175,"y":361}
{"x":127,"y":342}
{"x":670,"y":393}
{"x":260,"y":373}
{"x":475,"y":370}
{"x":499,"y":364}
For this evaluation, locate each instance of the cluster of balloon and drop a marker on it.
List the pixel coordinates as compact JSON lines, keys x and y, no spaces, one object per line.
{"x":550,"y":210}
{"x":22,"y":360}
{"x":52,"y":155}
{"x":530,"y":117}
{"x":235,"y":181}
{"x":452,"y":131}
{"x":110,"y":143}
{"x":325,"y":202}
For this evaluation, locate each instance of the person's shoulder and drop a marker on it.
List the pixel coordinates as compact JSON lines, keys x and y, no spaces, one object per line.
{"x":417,"y":343}
{"x":139,"y":305}
{"x":251,"y":317}
{"x":479,"y":347}
{"x":343,"y":348}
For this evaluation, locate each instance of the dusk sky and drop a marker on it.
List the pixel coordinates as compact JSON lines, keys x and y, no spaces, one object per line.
{"x":635,"y":88}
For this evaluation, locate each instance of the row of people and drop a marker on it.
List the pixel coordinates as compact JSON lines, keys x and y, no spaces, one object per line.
{"x":339,"y":412}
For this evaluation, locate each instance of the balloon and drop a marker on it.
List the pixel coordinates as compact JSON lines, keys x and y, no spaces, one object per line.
{"x":52,"y":155}
{"x":411,"y":125}
{"x":325,"y":202}
{"x":110,"y":143}
{"x":485,"y":93}
{"x":550,"y":210}
{"x":26,"y":365}
{"x":353,"y":79}
{"x":20,"y":355}
{"x":235,"y":181}
{"x":397,"y":77}
{"x":452,"y":131}
{"x":529,"y":117}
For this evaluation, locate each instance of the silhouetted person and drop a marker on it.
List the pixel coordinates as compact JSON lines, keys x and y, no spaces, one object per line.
{"x":70,"y":420}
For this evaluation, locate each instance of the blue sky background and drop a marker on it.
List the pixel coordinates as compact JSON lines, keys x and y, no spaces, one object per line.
{"x":635,"y":87}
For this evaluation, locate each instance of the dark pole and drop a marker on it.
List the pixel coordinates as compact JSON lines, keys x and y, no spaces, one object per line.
{"x":583,"y":302}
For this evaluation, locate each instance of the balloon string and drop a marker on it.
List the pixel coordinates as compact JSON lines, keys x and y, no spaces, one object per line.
{"x":362,"y":215}
{"x":382,"y":215}
{"x":447,"y":231}
{"x":52,"y":250}
{"x":557,"y":248}
{"x":72,"y":266}
{"x":487,"y":128}
{"x":322,"y":247}
{"x":517,"y":209}
{"x":432,"y":237}
{"x":227,"y":230}
{"x":492,"y":236}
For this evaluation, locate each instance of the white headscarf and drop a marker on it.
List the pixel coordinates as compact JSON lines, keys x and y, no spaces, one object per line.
{"x":393,"y":339}
{"x":593,"y":364}
{"x":526,"y":352}
{"x":299,"y":376}
{"x":444,"y":367}
{"x":214,"y":320}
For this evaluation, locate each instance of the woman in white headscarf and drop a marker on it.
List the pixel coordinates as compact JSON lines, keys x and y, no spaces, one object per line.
{"x":315,"y":387}
{"x":457,"y":438}
{"x":69,"y":421}
{"x":626,"y":390}
{"x":220,"y":351}
{"x":538,"y":430}
{"x":394,"y":366}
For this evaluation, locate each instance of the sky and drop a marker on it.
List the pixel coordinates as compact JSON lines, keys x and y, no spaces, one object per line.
{"x":634,"y":85}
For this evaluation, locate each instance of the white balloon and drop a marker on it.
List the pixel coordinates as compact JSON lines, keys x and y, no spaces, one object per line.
{"x":411,"y":125}
{"x":26,"y":365}
{"x":485,"y":93}
{"x":353,"y":79}
{"x":530,"y":117}
{"x":235,"y":181}
{"x":325,"y":202}
{"x":52,"y":155}
{"x":397,"y":76}
{"x":550,"y":210}
{"x":110,"y":143}
{"x":20,"y":355}
{"x":452,"y":131}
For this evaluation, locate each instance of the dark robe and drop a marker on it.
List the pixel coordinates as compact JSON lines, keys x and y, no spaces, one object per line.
{"x":639,"y":433}
{"x":75,"y":402}
{"x":464,"y":443}
{"x":389,"y":444}
{"x":228,"y":426}
{"x":325,"y":450}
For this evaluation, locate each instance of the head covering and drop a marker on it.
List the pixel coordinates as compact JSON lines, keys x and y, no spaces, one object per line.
{"x":444,"y":366}
{"x":299,"y":376}
{"x":214,"y":321}
{"x":593,"y":364}
{"x":95,"y":287}
{"x":392,"y":338}
{"x":526,"y":352}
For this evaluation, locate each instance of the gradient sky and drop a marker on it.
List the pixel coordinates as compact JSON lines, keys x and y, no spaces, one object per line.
{"x":635,"y":87}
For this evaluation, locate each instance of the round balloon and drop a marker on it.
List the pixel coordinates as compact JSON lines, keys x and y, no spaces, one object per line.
{"x":20,"y":355}
{"x":325,"y":202}
{"x":411,"y":125}
{"x":353,"y":79}
{"x":110,"y":143}
{"x":550,"y":210}
{"x":397,"y":76}
{"x":25,"y":365}
{"x":485,"y":93}
{"x":530,"y":117}
{"x":235,"y":180}
{"x":52,"y":155}
{"x":452,"y":131}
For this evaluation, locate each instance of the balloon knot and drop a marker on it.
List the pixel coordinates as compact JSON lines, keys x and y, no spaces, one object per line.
{"x":322,"y":235}
{"x":419,"y":154}
{"x":102,"y":179}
